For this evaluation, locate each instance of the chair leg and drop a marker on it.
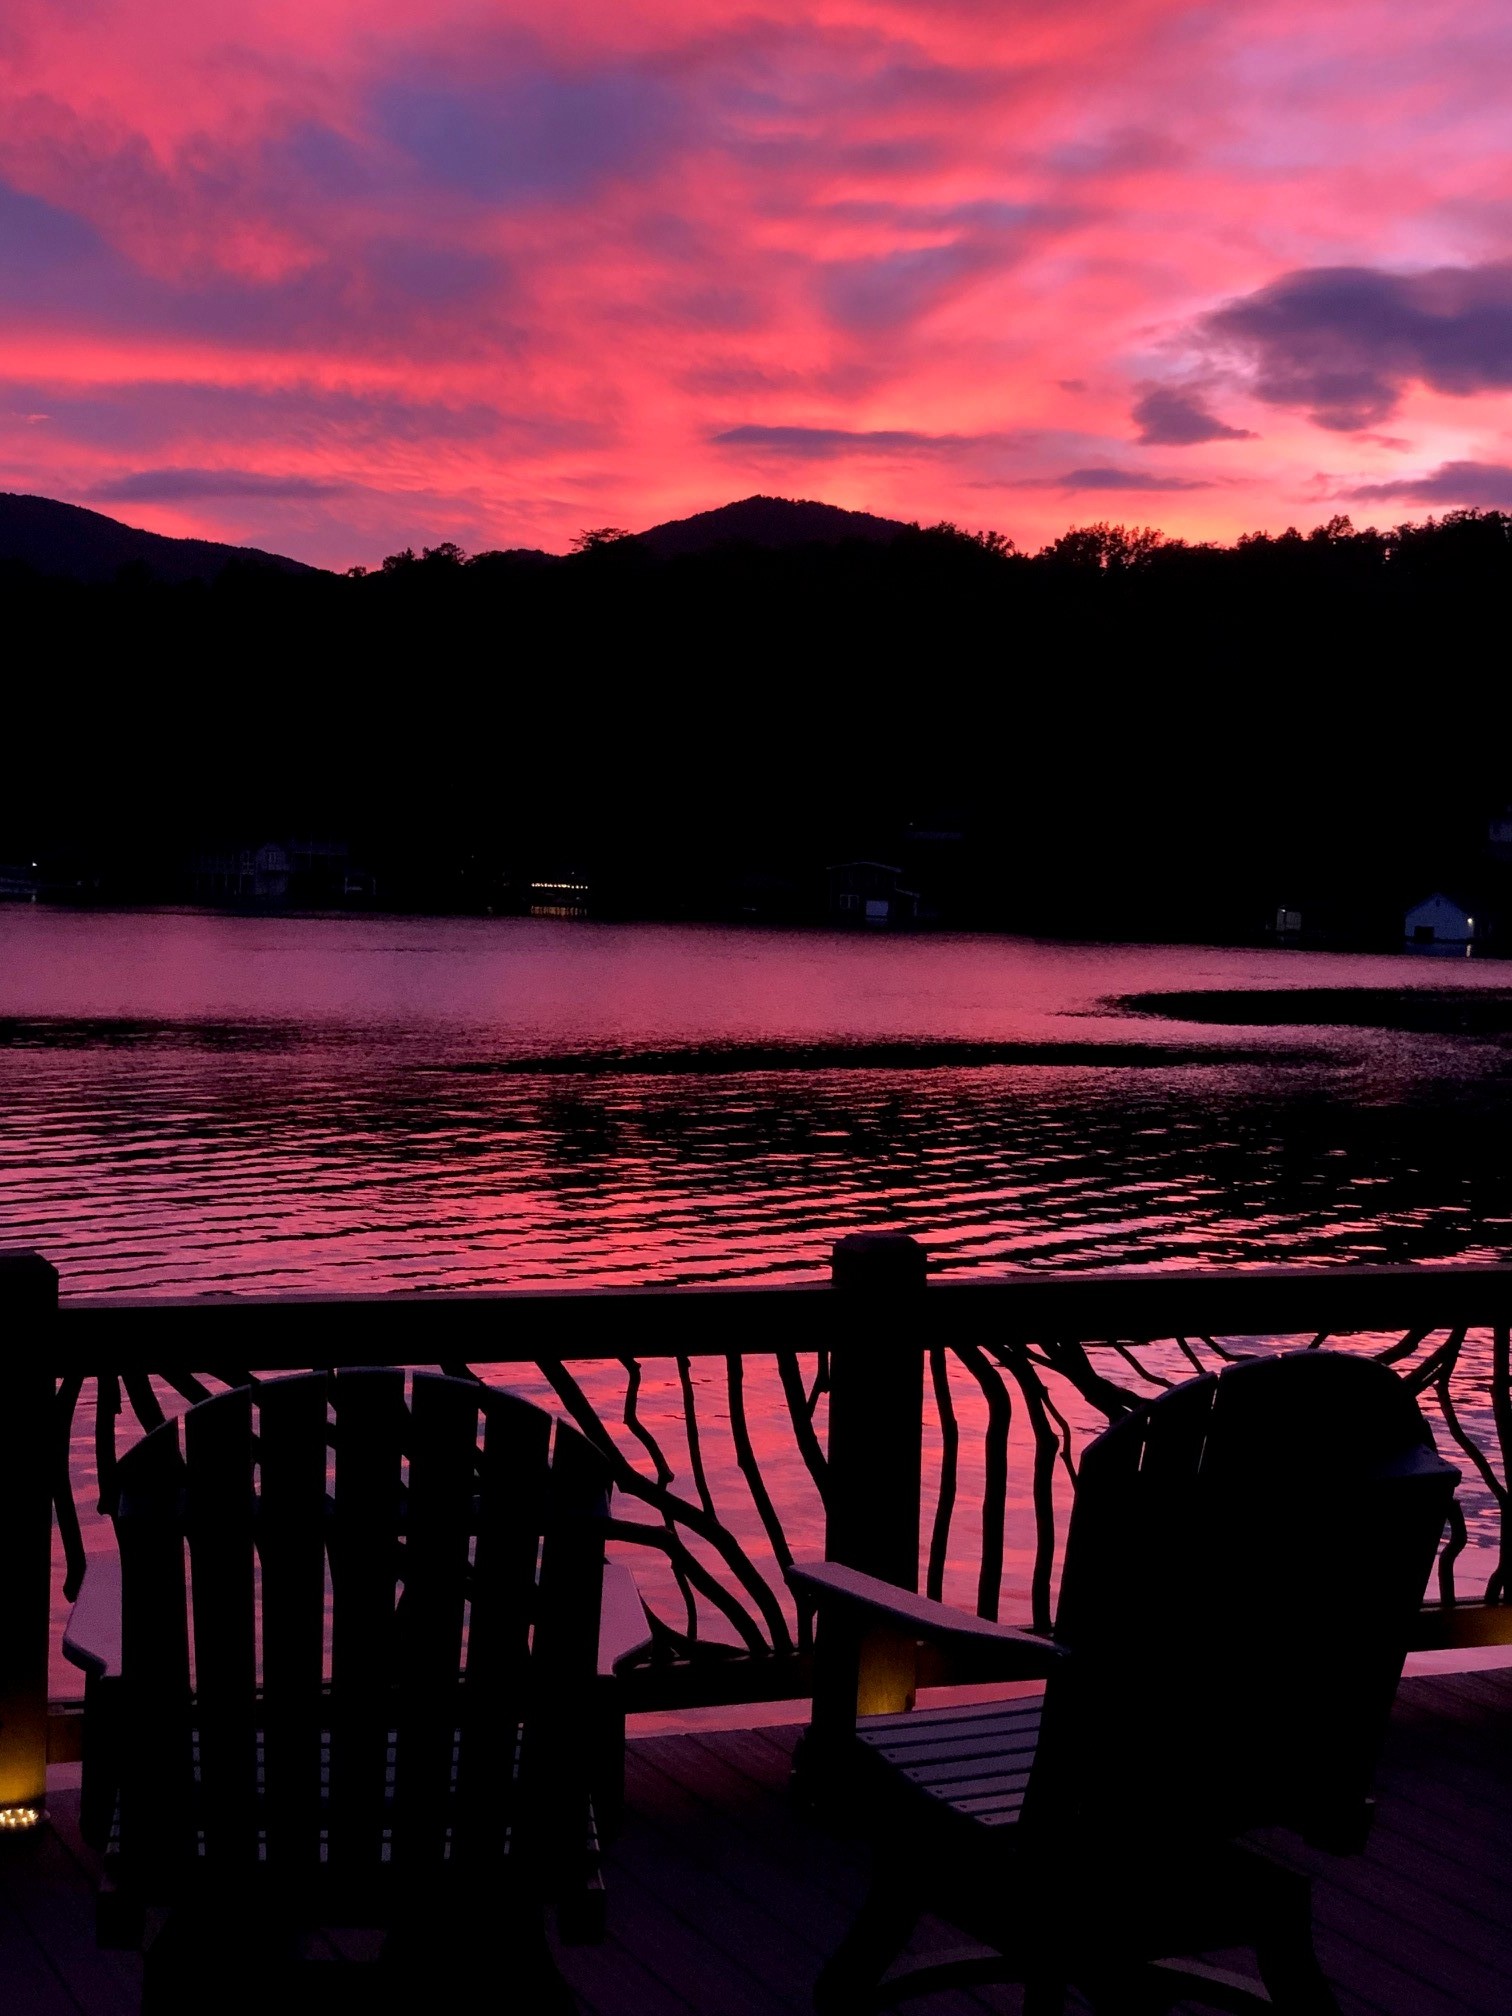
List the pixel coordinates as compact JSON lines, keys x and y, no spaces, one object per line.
{"x":1285,"y":1954}
{"x":849,"y":1981}
{"x":1126,"y":1991}
{"x":1044,"y":1997}
{"x":1289,"y":1968}
{"x":237,"y":1963}
{"x":448,"y":1950}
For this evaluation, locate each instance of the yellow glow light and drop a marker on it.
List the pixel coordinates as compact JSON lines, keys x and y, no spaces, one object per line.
{"x":13,"y":1819}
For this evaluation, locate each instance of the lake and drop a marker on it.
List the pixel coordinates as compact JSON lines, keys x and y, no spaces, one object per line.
{"x":194,"y":1103}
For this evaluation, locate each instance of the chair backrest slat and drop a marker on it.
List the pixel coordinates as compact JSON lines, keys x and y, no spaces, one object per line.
{"x":554,"y":1764}
{"x":219,"y":1517}
{"x":371,"y":1423}
{"x":513,"y":1479}
{"x":157,"y":1775}
{"x":442,"y":1482}
{"x":292,"y":1446}
{"x":463,"y":1632}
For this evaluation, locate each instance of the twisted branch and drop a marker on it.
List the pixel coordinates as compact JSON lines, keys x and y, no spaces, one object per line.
{"x":694,"y":1517}
{"x":995,"y":1482}
{"x":801,"y":1413}
{"x":950,"y":1449}
{"x":74,"y":1557}
{"x":1046,"y":1449}
{"x":745,"y":1456}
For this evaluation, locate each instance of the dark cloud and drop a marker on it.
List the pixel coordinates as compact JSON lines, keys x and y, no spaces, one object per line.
{"x":531,"y":133}
{"x":882,"y":294}
{"x":865,"y":295}
{"x":1484,"y":484}
{"x":1111,"y":479}
{"x":39,"y":241}
{"x":360,"y":293}
{"x":820,"y":444}
{"x":1128,"y":150}
{"x":1344,"y":342}
{"x":1171,"y":418}
{"x":173,"y":486}
{"x":146,"y":421}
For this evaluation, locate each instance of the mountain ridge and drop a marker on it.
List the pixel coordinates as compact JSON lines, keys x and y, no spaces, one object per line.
{"x":771,"y":522}
{"x":75,"y":543}
{"x":71,"y":542}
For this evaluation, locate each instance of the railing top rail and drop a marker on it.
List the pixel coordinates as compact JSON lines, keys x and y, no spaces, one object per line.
{"x":522,"y":1325}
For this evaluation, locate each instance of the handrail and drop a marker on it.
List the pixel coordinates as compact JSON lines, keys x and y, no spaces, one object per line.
{"x":1134,"y":1304}
{"x":1022,"y":1367}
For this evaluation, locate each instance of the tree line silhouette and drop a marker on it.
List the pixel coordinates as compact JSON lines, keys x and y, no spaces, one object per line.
{"x":1133,"y":733}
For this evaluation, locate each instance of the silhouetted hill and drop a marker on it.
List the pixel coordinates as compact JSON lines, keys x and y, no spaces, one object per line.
{"x":65,"y":540}
{"x":771,"y":522}
{"x":1120,"y":734}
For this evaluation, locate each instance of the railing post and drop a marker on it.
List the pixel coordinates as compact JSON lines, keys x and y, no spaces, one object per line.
{"x":876,"y":1405}
{"x":28,"y":1304}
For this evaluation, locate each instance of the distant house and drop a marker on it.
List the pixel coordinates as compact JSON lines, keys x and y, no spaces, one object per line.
{"x":19,"y":882}
{"x":302,"y":873}
{"x":1442,"y":923}
{"x":870,"y":892}
{"x":1288,"y":924}
{"x":243,"y":874}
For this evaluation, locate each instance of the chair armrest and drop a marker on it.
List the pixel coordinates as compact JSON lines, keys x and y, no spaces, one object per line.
{"x":624,"y":1630}
{"x":92,"y":1635}
{"x":1012,"y":1653}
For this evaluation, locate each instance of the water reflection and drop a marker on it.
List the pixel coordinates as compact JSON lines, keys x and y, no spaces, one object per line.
{"x":196,"y":1102}
{"x":192,"y":1104}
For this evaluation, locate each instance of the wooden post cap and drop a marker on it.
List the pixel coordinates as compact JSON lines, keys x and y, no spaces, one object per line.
{"x":878,"y":1263}
{"x":27,"y":1281}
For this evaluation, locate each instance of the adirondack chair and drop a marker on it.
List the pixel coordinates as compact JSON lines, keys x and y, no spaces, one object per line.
{"x":393,"y":1735}
{"x":1244,"y":1561}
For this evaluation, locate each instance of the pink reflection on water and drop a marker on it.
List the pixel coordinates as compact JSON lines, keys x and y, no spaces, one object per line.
{"x":195,"y":1104}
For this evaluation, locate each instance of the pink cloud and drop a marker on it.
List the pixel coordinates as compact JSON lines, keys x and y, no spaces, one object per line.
{"x":325,"y":274}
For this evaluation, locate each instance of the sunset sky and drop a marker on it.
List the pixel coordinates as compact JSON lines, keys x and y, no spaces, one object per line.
{"x":334,"y":277}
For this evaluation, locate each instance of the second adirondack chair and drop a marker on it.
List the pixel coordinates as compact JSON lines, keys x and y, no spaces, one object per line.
{"x":1244,"y":1564}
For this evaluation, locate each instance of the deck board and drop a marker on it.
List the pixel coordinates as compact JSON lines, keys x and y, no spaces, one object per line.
{"x":724,"y":1898}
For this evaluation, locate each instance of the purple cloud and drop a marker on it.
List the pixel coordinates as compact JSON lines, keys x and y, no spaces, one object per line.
{"x":1112,"y":479}
{"x":820,"y":443}
{"x":38,"y":242}
{"x":885,"y":293}
{"x":1344,"y":342}
{"x":174,"y":486}
{"x":531,"y":133}
{"x":894,"y":288}
{"x":1487,"y":485}
{"x":1171,"y":418}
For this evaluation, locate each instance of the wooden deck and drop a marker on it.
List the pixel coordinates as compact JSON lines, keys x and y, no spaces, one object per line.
{"x":724,"y":1900}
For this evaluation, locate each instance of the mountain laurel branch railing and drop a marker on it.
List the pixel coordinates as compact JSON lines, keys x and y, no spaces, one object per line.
{"x":850,"y":1360}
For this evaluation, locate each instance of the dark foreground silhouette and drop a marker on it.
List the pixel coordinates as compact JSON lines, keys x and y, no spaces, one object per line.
{"x":1120,"y":734}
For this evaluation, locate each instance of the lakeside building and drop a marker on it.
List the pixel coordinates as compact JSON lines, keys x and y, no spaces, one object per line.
{"x":870,"y":892}
{"x":273,"y":873}
{"x":20,"y":882}
{"x":1443,"y":923}
{"x":565,"y":894}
